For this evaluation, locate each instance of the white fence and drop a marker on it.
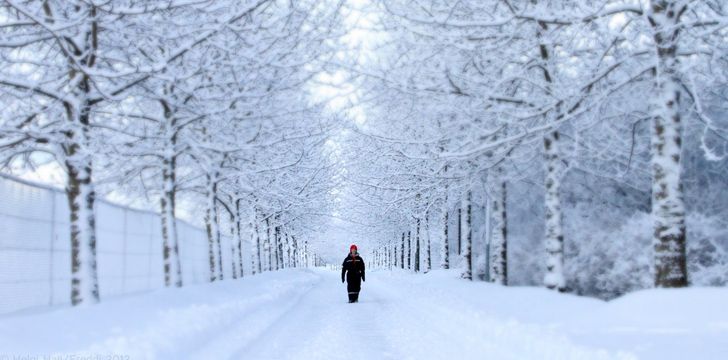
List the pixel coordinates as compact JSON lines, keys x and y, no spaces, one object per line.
{"x":35,"y":256}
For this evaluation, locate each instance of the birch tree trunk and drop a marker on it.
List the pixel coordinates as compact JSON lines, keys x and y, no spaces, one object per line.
{"x":401,"y":261}
{"x":465,"y":231}
{"x":395,"y":261}
{"x":212,"y":224}
{"x":554,"y":235}
{"x":409,"y":250}
{"x":281,"y":257}
{"x":79,"y":166}
{"x":389,"y":257}
{"x":268,"y":243}
{"x":295,"y":251}
{"x":554,"y":278}
{"x":239,"y":236}
{"x":210,"y":244}
{"x":460,"y":231}
{"x":305,"y":254}
{"x":233,"y":247}
{"x":499,"y":236}
{"x":417,"y":246}
{"x":277,"y":245}
{"x":81,"y":200}
{"x":233,"y":218}
{"x":170,"y":246}
{"x":428,"y":257}
{"x":445,"y":263}
{"x":257,"y":266}
{"x":290,"y":251}
{"x":668,"y":208}
{"x":217,"y":234}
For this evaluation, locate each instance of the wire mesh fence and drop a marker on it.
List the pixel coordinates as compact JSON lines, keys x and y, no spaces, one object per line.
{"x":35,"y":260}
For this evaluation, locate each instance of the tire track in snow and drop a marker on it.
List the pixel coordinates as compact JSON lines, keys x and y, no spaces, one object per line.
{"x":253,"y":326}
{"x":185,"y":332}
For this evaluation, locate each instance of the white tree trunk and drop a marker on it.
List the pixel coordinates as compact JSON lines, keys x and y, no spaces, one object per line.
{"x":304,"y":256}
{"x":409,"y":250}
{"x":170,"y":247}
{"x":286,"y":249}
{"x":78,"y":160}
{"x":428,"y":249}
{"x":554,"y":237}
{"x":417,"y":246}
{"x":293,"y":248}
{"x":81,"y":199}
{"x":213,"y":230}
{"x":239,"y":237}
{"x":218,"y":238}
{"x":401,"y":261}
{"x":233,"y":245}
{"x":445,"y":250}
{"x":460,"y":230}
{"x":268,"y":244}
{"x":668,"y":208}
{"x":466,"y":234}
{"x":498,"y":234}
{"x":257,"y":262}
{"x":278,"y":243}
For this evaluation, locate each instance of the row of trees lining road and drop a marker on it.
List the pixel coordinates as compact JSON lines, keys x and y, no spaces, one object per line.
{"x":541,"y":134}
{"x":202,"y":102}
{"x":577,"y":146}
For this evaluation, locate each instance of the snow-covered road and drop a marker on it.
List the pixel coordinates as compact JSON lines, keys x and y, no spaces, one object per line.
{"x":394,"y":319}
{"x":304,"y":314}
{"x":319,"y":324}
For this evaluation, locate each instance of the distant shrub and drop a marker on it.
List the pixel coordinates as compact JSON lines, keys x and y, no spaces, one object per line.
{"x":608,"y":262}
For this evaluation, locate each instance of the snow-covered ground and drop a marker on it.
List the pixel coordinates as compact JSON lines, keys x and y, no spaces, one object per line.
{"x":303,"y":314}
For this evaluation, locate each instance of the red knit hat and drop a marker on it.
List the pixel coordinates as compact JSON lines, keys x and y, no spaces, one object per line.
{"x":353,"y":247}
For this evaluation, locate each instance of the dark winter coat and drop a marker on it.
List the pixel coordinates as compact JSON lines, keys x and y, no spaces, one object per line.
{"x":353,"y":269}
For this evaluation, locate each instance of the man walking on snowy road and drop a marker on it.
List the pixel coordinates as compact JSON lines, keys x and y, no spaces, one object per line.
{"x":353,"y":268}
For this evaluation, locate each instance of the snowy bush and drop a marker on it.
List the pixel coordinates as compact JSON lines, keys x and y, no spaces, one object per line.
{"x":609,"y":262}
{"x":707,"y":250}
{"x":526,"y":264}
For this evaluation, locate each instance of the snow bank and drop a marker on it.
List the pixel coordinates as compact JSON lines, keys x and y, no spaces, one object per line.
{"x":649,"y":324}
{"x":660,"y":323}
